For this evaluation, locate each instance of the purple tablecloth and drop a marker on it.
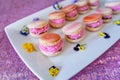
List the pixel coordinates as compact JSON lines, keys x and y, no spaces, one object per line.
{"x":106,"y":67}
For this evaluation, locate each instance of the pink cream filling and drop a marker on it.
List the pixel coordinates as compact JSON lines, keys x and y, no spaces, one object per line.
{"x":52,"y":49}
{"x":115,"y":7}
{"x":108,"y":16}
{"x":96,"y":24}
{"x":83,"y":8}
{"x":95,"y":4}
{"x":39,"y":30}
{"x":58,"y":21}
{"x":76,"y":36}
{"x":72,"y":13}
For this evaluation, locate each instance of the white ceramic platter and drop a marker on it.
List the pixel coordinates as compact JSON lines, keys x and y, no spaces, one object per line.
{"x":69,"y":61}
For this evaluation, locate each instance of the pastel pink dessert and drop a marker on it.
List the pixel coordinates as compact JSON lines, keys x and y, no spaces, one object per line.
{"x":94,"y":4}
{"x":77,"y":36}
{"x":57,"y":19}
{"x":82,"y":6}
{"x":53,"y":48}
{"x":93,"y":22}
{"x":37,"y":28}
{"x":115,"y":6}
{"x":106,"y":14}
{"x":74,"y":32}
{"x":70,"y":12}
{"x":51,"y":44}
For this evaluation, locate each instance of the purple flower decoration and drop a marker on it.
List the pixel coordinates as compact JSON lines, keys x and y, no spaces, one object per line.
{"x":57,"y":6}
{"x":24,"y":31}
{"x":36,"y":19}
{"x":74,"y":1}
{"x":79,"y":47}
{"x":104,"y":34}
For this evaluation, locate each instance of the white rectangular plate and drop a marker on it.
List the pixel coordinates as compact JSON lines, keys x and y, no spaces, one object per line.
{"x":69,"y":61}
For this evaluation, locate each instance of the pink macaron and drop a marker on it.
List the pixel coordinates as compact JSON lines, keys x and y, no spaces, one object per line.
{"x":93,"y":22}
{"x":82,"y":6}
{"x":57,"y":19}
{"x":70,"y":12}
{"x":38,"y":28}
{"x":51,"y":44}
{"x":106,"y":14}
{"x":94,"y":3}
{"x":115,"y":6}
{"x":74,"y":32}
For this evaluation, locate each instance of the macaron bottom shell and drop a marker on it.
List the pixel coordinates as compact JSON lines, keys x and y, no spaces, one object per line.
{"x":72,"y":18}
{"x":83,"y":12}
{"x":94,"y":29}
{"x":76,"y":40}
{"x":106,"y":20}
{"x":57,"y":25}
{"x":52,"y":54}
{"x":34,"y":35}
{"x":94,"y":5}
{"x":116,"y":12}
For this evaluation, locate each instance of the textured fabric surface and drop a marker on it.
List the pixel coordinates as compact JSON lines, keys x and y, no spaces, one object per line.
{"x":106,"y":67}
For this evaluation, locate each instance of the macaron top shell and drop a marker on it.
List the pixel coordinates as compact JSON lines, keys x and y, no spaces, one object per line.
{"x":81,"y":2}
{"x":69,"y":8}
{"x":104,"y":10}
{"x":37,"y":24}
{"x":49,"y":38}
{"x":111,"y":4}
{"x":92,"y":17}
{"x":92,"y":1}
{"x":56,"y":15}
{"x":72,"y":28}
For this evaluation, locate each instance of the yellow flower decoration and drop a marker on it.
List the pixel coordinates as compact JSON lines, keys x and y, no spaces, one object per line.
{"x":81,"y":47}
{"x":117,"y":22}
{"x":28,"y":47}
{"x":53,"y":71}
{"x":101,"y":34}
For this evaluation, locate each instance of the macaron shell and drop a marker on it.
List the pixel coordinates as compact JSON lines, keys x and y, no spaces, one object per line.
{"x":72,"y":28}
{"x":92,"y":17}
{"x":69,"y":8}
{"x":104,"y":11}
{"x":38,"y":24}
{"x":83,"y":12}
{"x":56,"y":25}
{"x":77,"y":40}
{"x":94,"y":29}
{"x":50,"y":38}
{"x":72,"y":18}
{"x":37,"y":36}
{"x":106,"y":20}
{"x":56,"y":15}
{"x":110,"y":4}
{"x":116,"y":12}
{"x":52,"y":54}
{"x":92,"y":1}
{"x":81,"y":2}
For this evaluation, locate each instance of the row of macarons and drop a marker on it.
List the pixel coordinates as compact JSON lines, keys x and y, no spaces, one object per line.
{"x":57,"y":19}
{"x":51,"y":44}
